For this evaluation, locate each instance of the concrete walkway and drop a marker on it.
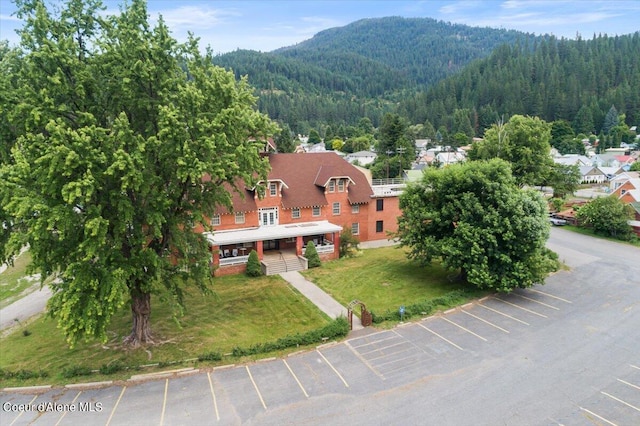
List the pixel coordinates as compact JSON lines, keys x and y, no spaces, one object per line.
{"x":319,"y":297}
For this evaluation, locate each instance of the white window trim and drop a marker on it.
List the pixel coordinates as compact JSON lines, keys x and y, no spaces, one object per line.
{"x":295,"y":213}
{"x":239,"y":217}
{"x":336,"y":207}
{"x":313,"y":211}
{"x":355,"y":208}
{"x":215,"y":220}
{"x":355,"y":228}
{"x":340,"y":185}
{"x":273,"y":189}
{"x":332,"y":186}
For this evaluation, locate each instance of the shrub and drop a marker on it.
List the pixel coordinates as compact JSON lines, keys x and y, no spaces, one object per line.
{"x":312,"y":255}
{"x":210,"y":356}
{"x":112,"y":368}
{"x":76,"y":371}
{"x":253,"y":265}
{"x":337,"y":328}
{"x":348,"y":243}
{"x":425,"y":307}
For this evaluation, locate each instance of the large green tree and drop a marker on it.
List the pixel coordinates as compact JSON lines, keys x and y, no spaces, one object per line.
{"x":124,"y":139}
{"x":475,"y":218}
{"x":607,"y":216}
{"x":522,"y":141}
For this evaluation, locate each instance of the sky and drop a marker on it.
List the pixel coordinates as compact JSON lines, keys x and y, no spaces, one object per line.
{"x":269,"y":24}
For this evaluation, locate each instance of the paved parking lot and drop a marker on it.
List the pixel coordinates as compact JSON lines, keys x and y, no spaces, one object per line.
{"x":505,"y":346}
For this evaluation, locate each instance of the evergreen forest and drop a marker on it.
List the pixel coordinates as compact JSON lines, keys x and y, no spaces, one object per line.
{"x":445,"y":78}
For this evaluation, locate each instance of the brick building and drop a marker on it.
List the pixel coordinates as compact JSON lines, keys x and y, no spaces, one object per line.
{"x":308,"y":197}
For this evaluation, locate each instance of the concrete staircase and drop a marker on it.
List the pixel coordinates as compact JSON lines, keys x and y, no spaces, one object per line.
{"x":283,"y":262}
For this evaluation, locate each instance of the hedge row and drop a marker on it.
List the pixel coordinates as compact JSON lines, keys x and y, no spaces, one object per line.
{"x":338,"y":328}
{"x":427,"y":307}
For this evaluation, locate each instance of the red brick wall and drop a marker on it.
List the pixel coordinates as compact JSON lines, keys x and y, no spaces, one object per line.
{"x":388,"y":215}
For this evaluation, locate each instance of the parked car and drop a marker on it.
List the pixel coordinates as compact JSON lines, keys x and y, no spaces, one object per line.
{"x":556,"y":221}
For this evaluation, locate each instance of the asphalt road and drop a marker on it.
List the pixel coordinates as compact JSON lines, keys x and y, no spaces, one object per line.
{"x":566,"y":353}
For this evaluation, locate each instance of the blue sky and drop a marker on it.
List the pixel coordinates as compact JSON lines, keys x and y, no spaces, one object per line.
{"x":267,"y":25}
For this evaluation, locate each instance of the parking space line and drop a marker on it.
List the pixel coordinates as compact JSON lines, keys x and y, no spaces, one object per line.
{"x":113,"y":411}
{"x":627,"y":383}
{"x":375,"y":358}
{"x":213,"y":395}
{"x":485,"y":321}
{"x":374,"y":342}
{"x":633,"y":366}
{"x":385,"y":347}
{"x":536,"y":301}
{"x":333,"y":368}
{"x":65,"y":412}
{"x":520,"y":307}
{"x":164,"y":401}
{"x":256,"y":387}
{"x":503,"y":314}
{"x":296,"y":378}
{"x":463,"y":328}
{"x":550,"y":295}
{"x":23,"y":411}
{"x":436,"y":334}
{"x":599,"y":417}
{"x":364,"y":361}
{"x":621,"y":401}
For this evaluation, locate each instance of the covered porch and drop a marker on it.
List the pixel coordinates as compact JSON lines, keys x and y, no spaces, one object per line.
{"x":230,"y":249}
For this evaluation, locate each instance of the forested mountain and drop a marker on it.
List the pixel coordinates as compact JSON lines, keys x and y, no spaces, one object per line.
{"x":428,"y":70}
{"x":343,"y":74}
{"x":573,"y":80}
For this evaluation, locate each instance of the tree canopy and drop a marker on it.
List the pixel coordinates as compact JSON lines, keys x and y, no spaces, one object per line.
{"x":123,"y":141}
{"x":607,"y":216}
{"x":475,"y":218}
{"x":522,"y":141}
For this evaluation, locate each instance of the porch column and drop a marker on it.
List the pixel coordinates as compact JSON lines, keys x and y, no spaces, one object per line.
{"x":215,"y":257}
{"x":299,"y":242}
{"x":260,"y":250}
{"x":336,"y":244}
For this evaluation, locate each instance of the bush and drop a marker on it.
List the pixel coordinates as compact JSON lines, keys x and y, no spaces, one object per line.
{"x":338,"y":328}
{"x":112,"y":368}
{"x":253,"y":265}
{"x":427,"y":307}
{"x":210,"y":356}
{"x":348,"y":243}
{"x":312,"y":255}
{"x":76,"y":371}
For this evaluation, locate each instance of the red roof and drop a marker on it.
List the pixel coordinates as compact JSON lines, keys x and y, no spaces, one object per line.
{"x":305,"y":176}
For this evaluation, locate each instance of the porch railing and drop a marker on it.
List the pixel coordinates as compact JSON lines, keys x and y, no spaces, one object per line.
{"x":237,"y":260}
{"x":324,"y":248}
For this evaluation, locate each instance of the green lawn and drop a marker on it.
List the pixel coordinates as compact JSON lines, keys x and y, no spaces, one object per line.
{"x":383,"y":279}
{"x":14,"y":280}
{"x":242,"y":312}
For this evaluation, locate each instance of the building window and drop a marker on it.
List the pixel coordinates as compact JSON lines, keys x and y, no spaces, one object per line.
{"x":355,"y":228}
{"x":332,"y":186}
{"x":273,"y":189}
{"x":379,"y":226}
{"x":379,"y":204}
{"x":355,"y":208}
{"x":316,"y":211}
{"x":215,"y":220}
{"x":268,"y":216}
{"x":336,"y":209}
{"x":341,"y":185}
{"x":295,"y":213}
{"x":239,"y":217}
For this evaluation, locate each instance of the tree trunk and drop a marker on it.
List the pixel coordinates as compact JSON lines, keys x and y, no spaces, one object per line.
{"x":140,"y":312}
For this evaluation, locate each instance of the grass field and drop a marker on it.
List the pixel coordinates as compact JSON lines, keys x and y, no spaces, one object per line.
{"x":242,"y":312}
{"x":383,"y":279}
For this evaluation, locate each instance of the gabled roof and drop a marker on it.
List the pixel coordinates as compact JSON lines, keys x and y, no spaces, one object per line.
{"x":307,"y":174}
{"x":304,"y":177}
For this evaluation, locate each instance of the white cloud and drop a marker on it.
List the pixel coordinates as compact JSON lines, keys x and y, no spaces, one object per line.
{"x":195,"y":17}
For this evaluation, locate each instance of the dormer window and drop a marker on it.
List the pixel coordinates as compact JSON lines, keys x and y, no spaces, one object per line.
{"x":332,"y":186}
{"x":340,"y":185}
{"x":273,"y":189}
